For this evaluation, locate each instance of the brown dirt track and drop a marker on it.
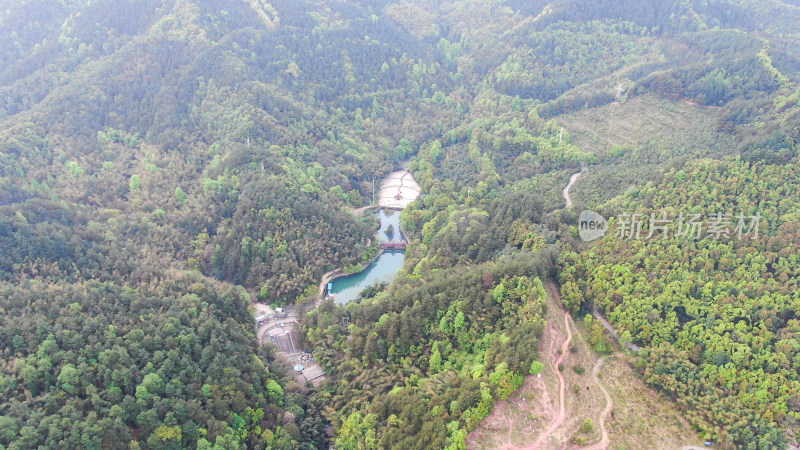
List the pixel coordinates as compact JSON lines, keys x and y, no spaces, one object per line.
{"x":547,"y":412}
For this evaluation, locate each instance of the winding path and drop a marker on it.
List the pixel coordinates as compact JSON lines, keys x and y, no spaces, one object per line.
{"x":358,"y":212}
{"x":572,"y":181}
{"x":561,"y":417}
{"x":604,"y":441}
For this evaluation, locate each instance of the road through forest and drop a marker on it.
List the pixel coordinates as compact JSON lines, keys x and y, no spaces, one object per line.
{"x":572,"y":180}
{"x":555,"y":356}
{"x":560,"y":417}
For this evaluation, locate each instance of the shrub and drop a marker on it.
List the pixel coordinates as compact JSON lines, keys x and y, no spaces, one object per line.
{"x":536,"y":367}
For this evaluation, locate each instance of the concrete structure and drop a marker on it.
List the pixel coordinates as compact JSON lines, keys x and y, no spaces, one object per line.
{"x":283,"y":339}
{"x":393,"y":245}
{"x":398,"y":190}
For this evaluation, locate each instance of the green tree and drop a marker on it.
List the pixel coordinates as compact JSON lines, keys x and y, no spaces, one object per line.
{"x":180,"y":195}
{"x":166,"y":437}
{"x":153,"y":383}
{"x":264,"y":292}
{"x":9,"y":427}
{"x":458,"y":323}
{"x":536,"y":367}
{"x":435,"y":364}
{"x":275,"y":391}
{"x":75,"y":169}
{"x":358,"y":433}
{"x":135,"y":183}
{"x":68,"y":379}
{"x":355,"y":198}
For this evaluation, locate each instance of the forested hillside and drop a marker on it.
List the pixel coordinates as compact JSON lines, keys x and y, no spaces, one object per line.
{"x":169,"y":365}
{"x":420,"y":365}
{"x":163,"y":163}
{"x":718,"y":314}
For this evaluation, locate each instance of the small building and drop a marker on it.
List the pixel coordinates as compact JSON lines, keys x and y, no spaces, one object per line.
{"x":280,"y":313}
{"x":314,"y":374}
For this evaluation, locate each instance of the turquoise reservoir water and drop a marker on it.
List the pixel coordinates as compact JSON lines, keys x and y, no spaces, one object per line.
{"x":346,"y":289}
{"x":389,"y":218}
{"x":383,"y":269}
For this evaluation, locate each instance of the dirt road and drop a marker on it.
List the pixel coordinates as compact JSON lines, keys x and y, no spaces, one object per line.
{"x":545,"y":413}
{"x":562,"y":390}
{"x":572,"y":181}
{"x":604,"y":441}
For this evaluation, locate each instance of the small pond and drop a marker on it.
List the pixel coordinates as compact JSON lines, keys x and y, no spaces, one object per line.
{"x":383,"y":269}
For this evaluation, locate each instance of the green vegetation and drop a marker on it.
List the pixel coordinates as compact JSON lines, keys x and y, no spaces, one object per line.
{"x":718,"y":317}
{"x":165,"y":163}
{"x":587,"y":426}
{"x":536,"y":368}
{"x":171,"y":365}
{"x":418,"y":368}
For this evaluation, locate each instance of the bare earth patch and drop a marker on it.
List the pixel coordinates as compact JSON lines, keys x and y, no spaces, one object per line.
{"x":625,"y":413}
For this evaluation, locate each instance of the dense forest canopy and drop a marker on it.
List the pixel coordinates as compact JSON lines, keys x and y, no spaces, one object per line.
{"x":718,"y":317}
{"x":164,"y":163}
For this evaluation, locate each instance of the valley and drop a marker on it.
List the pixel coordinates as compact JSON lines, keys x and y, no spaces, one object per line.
{"x":354,"y":224}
